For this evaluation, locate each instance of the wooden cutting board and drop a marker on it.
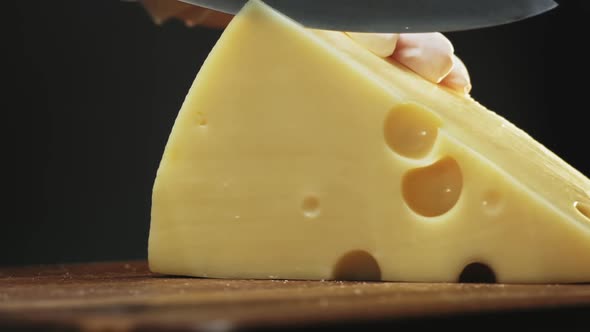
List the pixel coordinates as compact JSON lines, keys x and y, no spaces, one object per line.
{"x":125,"y":296}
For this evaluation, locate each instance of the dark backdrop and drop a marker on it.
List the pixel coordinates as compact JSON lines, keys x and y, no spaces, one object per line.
{"x":93,"y":88}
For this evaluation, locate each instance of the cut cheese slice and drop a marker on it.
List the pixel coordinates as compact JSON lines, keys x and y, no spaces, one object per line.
{"x":299,"y":154}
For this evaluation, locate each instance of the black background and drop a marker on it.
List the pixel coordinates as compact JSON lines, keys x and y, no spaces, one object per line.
{"x":93,"y":87}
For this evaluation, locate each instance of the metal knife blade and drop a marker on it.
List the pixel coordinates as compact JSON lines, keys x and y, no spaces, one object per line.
{"x":396,"y":15}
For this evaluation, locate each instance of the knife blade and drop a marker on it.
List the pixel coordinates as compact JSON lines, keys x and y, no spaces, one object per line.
{"x":396,"y":16}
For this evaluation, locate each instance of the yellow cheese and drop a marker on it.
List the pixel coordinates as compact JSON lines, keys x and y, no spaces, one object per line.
{"x":300,"y":154}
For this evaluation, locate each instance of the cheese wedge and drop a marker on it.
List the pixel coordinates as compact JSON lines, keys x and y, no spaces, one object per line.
{"x":299,"y":154}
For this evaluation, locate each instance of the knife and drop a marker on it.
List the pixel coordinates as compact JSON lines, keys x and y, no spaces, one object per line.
{"x":396,"y":16}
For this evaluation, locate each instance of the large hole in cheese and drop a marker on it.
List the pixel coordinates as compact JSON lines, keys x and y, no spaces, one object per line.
{"x":357,"y":265}
{"x":583,"y":208}
{"x":477,"y":273}
{"x":433,"y":190}
{"x":411,"y":130}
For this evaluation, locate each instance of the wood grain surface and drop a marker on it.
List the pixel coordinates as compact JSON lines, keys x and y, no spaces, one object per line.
{"x":126,"y":296}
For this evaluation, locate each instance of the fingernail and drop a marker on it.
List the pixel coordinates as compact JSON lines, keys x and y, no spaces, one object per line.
{"x":458,"y":78}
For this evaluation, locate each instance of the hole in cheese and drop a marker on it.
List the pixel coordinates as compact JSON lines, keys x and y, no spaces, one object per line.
{"x":583,"y":208}
{"x":492,"y":202}
{"x":433,"y":190}
{"x":477,"y":273}
{"x":311,"y":206}
{"x":411,"y":130}
{"x":357,"y":265}
{"x":201,"y":119}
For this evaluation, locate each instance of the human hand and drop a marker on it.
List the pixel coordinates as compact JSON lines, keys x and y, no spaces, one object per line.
{"x":430,"y":55}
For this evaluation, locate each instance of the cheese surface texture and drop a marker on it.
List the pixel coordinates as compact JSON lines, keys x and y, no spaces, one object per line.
{"x":299,"y":154}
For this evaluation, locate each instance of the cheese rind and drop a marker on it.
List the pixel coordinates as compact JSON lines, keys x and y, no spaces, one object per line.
{"x":284,"y":163}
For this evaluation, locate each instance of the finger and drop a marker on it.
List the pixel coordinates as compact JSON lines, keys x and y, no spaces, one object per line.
{"x":458,"y":79}
{"x":197,"y":16}
{"x":193,"y":16}
{"x":382,"y":44}
{"x":162,"y":10}
{"x":428,"y":54}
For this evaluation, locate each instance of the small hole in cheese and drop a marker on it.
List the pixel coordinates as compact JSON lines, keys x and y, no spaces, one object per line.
{"x":201,"y":119}
{"x":477,"y":273}
{"x":583,"y":208}
{"x":433,"y":190}
{"x":411,"y":130}
{"x":357,"y":265}
{"x":492,"y":202}
{"x":311,"y":206}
